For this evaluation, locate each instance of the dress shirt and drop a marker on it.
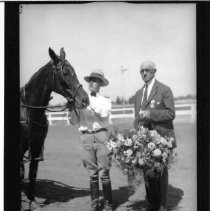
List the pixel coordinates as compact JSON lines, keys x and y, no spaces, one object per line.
{"x":96,"y":115}
{"x":150,"y":85}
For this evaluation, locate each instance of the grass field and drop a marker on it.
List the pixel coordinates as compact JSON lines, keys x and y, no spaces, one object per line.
{"x":63,"y":184}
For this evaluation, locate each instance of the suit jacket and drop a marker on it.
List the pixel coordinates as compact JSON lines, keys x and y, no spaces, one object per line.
{"x":160,"y":103}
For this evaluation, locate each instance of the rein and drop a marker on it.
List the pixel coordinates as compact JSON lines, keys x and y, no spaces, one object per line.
{"x":45,"y":107}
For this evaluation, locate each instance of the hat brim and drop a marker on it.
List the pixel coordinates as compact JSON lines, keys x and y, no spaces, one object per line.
{"x":105,"y":82}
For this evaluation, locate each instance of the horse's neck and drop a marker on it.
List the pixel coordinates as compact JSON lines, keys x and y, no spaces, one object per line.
{"x":39,"y":88}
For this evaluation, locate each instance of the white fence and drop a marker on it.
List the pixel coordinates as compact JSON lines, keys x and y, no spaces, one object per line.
{"x":184,"y":111}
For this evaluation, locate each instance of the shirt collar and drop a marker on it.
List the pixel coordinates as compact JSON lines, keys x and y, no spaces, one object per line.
{"x":97,"y":94}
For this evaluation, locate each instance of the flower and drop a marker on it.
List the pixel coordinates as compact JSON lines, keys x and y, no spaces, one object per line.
{"x":134,"y":161}
{"x":120,"y":137}
{"x":143,"y":129}
{"x":146,"y":154}
{"x":135,"y":137}
{"x":151,"y":146}
{"x":158,"y":166}
{"x":153,"y":133}
{"x":128,"y":152}
{"x":157,"y":153}
{"x":164,"y":155}
{"x":163,"y":141}
{"x":138,"y":154}
{"x":128,"y":142}
{"x":111,"y":145}
{"x":157,"y":139}
{"x":142,"y":161}
{"x":171,"y":139}
{"x":136,"y":145}
{"x":127,"y":160}
{"x":167,"y":151}
{"x":115,"y":151}
{"x":169,"y":145}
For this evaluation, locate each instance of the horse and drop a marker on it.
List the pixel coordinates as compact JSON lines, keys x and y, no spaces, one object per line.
{"x":59,"y":76}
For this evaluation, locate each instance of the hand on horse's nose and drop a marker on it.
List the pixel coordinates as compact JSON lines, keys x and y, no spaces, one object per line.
{"x":85,"y":102}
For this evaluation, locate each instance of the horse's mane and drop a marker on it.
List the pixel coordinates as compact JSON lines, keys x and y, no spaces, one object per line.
{"x":36,"y":74}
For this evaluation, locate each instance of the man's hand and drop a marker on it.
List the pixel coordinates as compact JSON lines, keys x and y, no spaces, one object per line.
{"x":70,"y":105}
{"x":94,"y":109}
{"x":144,"y":114}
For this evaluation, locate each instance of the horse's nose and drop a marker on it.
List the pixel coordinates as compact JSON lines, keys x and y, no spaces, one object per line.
{"x":85,"y":102}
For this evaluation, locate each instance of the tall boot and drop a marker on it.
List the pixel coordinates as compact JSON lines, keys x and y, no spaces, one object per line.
{"x":107,"y":190}
{"x":94,"y":188}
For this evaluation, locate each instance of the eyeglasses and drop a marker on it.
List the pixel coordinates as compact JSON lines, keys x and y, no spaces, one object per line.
{"x":146,"y":70}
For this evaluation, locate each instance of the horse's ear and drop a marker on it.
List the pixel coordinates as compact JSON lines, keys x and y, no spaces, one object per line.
{"x":53,"y":56}
{"x":62,"y":54}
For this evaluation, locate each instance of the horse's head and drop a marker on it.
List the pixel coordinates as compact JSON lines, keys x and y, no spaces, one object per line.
{"x":65,"y":81}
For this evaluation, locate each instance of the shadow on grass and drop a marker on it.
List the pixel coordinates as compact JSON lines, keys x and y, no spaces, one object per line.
{"x":174,"y":197}
{"x":121,"y":195}
{"x":53,"y":191}
{"x":48,"y":191}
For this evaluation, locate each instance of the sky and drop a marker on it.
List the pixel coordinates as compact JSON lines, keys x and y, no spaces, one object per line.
{"x":112,"y":35}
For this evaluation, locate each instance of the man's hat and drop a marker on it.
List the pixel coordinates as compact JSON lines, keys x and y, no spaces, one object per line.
{"x":98,"y":73}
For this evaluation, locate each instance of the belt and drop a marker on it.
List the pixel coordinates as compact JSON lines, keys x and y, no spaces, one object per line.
{"x":93,"y":131}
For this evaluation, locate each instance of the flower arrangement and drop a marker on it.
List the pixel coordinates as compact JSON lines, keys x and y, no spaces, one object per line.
{"x":143,"y":151}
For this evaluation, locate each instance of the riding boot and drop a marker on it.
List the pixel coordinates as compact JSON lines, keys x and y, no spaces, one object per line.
{"x":107,"y":190}
{"x":94,"y":188}
{"x":32,"y":180}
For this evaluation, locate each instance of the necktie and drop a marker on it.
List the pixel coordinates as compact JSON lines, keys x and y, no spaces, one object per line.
{"x":93,"y":94}
{"x":144,"y":102}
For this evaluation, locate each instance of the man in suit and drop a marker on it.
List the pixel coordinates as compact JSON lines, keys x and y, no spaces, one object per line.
{"x":154,"y":109}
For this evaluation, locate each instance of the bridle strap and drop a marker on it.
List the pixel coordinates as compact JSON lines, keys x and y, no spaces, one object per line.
{"x":46,"y":107}
{"x":74,"y":95}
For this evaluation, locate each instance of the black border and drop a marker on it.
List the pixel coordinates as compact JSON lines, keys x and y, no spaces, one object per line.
{"x":11,"y":106}
{"x":11,"y":102}
{"x":203,"y":106}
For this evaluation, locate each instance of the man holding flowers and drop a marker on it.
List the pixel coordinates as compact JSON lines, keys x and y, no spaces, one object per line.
{"x":154,"y":109}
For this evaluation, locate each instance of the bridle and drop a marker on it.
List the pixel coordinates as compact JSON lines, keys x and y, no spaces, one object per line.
{"x":58,"y":68}
{"x":56,"y":84}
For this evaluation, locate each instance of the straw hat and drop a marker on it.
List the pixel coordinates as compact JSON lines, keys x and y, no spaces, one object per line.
{"x":97,"y":73}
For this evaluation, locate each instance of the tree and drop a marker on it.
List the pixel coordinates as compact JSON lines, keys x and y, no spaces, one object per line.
{"x":118,"y":100}
{"x":131,"y":100}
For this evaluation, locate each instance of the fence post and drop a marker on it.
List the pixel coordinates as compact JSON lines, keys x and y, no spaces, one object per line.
{"x":49,"y":118}
{"x":193,"y":112}
{"x":68,"y":121}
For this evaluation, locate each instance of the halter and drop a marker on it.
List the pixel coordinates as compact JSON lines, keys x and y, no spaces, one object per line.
{"x":57,"y":68}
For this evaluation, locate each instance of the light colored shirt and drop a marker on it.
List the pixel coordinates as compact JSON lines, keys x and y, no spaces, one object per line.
{"x":149,"y":89}
{"x":95,"y":116}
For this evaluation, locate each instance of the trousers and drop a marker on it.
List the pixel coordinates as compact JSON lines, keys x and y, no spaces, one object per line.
{"x":96,"y":156}
{"x":157,"y":190}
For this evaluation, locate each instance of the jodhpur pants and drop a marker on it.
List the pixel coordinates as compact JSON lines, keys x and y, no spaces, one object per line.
{"x":96,"y":156}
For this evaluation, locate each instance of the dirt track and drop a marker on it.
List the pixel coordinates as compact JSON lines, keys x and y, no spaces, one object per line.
{"x":63,"y":183}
